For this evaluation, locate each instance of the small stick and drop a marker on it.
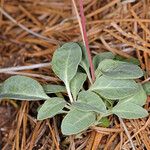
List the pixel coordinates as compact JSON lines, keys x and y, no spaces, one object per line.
{"x":79,"y":20}
{"x":141,"y":129}
{"x":146,"y":80}
{"x":127,"y":133}
{"x":82,"y":34}
{"x":48,"y":78}
{"x":18,"y":68}
{"x":83,"y":22}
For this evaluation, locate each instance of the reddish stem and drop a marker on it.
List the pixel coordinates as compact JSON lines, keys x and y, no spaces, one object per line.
{"x":83,"y":22}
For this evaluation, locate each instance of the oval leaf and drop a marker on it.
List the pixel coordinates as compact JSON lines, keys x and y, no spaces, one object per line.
{"x":138,"y":98}
{"x":66,"y":60}
{"x":120,"y":70}
{"x":85,"y":107}
{"x":100,"y":57}
{"x":92,"y":99}
{"x":22,"y":88}
{"x":114,"y":89}
{"x":50,"y":108}
{"x":51,"y":88}
{"x":129,"y":111}
{"x":131,"y":60}
{"x":146,"y":87}
{"x":84,"y":61}
{"x":76,"y":121}
{"x":77,"y":83}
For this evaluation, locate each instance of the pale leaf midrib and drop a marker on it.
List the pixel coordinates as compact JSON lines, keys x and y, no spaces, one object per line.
{"x":66,"y":70}
{"x":83,"y":118}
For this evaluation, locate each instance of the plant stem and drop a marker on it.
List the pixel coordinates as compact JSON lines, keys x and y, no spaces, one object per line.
{"x":83,"y":22}
{"x":80,"y":25}
{"x":69,"y":93}
{"x":127,"y":133}
{"x":89,"y":77}
{"x":67,"y":106}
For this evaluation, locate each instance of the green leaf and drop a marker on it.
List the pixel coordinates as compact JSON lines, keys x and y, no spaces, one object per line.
{"x":86,"y":107}
{"x":77,"y":83}
{"x":129,"y":111}
{"x":138,"y":98}
{"x":50,"y":108}
{"x":104,"y":122}
{"x":133,"y":60}
{"x":77,"y":121}
{"x":100,"y":57}
{"x":92,"y":99}
{"x":66,"y":60}
{"x":146,"y":87}
{"x":114,"y":89}
{"x":109,"y":103}
{"x":120,"y":70}
{"x":22,"y":88}
{"x":85,"y":61}
{"x":1,"y":87}
{"x":98,"y":73}
{"x":51,"y":88}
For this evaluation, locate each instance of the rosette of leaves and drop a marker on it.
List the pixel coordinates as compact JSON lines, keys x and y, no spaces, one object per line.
{"x":115,"y":90}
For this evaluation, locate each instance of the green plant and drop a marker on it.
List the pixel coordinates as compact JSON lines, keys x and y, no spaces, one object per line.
{"x":115,"y":90}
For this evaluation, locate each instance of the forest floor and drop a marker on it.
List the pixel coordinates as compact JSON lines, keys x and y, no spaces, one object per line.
{"x":31,"y":30}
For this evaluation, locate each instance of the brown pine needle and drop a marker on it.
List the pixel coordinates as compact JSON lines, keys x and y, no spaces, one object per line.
{"x":26,"y":29}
